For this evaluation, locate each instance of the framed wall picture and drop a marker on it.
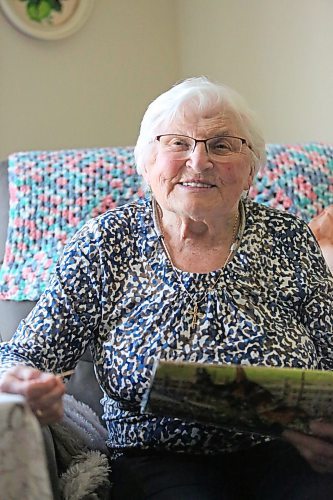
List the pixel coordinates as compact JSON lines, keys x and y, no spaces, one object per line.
{"x":47,"y":19}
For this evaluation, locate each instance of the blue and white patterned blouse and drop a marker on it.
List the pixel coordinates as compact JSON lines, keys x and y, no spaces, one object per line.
{"x":115,"y":289}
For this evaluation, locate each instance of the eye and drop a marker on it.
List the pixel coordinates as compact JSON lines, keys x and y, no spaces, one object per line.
{"x":221,"y":144}
{"x":178,"y":143}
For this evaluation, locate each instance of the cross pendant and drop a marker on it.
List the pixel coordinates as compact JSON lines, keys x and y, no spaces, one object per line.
{"x":196,"y":314}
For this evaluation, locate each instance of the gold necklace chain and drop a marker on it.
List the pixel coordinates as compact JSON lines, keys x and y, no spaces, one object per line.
{"x":195,"y":313}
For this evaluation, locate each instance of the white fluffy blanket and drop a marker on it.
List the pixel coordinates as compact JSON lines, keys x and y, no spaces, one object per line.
{"x":81,"y":451}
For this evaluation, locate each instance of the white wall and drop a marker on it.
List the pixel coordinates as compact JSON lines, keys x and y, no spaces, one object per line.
{"x":277,"y":54}
{"x":91,"y":88}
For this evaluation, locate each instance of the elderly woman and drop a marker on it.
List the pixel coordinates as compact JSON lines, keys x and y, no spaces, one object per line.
{"x":194,"y":272}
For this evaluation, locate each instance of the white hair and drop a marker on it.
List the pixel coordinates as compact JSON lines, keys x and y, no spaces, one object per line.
{"x":197,"y":97}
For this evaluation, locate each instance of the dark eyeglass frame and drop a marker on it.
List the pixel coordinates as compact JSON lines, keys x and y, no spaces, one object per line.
{"x":244,"y":141}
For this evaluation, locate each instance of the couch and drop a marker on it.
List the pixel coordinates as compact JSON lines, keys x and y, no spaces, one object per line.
{"x":83,"y":384}
{"x":116,"y":169}
{"x":297,"y":178}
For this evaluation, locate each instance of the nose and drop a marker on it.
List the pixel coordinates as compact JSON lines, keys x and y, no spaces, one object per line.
{"x":199,"y":159}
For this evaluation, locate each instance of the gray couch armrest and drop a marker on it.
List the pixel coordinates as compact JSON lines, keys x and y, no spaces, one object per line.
{"x":11,"y":313}
{"x":83,"y":384}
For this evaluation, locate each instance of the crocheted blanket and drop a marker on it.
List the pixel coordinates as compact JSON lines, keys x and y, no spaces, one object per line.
{"x":52,"y":194}
{"x":297,"y":178}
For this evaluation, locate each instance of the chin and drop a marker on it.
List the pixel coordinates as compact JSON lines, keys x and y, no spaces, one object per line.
{"x":195,"y":211}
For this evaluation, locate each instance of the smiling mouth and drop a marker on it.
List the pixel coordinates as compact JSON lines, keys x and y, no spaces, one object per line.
{"x":197,"y":184}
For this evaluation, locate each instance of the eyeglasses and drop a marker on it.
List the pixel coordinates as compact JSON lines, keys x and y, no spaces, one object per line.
{"x":182,"y":146}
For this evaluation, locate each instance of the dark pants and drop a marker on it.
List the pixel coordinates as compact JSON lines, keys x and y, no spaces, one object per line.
{"x":272,"y":471}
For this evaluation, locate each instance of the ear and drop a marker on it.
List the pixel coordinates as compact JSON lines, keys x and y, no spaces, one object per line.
{"x":144,"y":173}
{"x":249,"y":179}
{"x":147,"y":164}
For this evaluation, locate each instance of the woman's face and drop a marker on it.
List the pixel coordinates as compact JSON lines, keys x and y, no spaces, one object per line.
{"x":199,"y":187}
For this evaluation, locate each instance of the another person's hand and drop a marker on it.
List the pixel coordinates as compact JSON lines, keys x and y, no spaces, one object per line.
{"x":42,"y":391}
{"x":317,"y":449}
{"x":322,"y":227}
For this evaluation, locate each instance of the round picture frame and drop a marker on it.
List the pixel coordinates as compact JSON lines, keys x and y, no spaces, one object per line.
{"x":72,"y":17}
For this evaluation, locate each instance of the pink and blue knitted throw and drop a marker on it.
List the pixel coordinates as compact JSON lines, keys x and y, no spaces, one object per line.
{"x":297,"y":178}
{"x":52,"y":194}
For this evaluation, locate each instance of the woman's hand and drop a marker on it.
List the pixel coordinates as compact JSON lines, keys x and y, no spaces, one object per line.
{"x":317,"y":449}
{"x":42,"y":391}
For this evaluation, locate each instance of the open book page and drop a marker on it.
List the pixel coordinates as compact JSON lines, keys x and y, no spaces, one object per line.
{"x":251,"y":398}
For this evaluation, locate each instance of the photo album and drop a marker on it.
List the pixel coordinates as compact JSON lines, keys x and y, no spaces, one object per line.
{"x":259,"y":399}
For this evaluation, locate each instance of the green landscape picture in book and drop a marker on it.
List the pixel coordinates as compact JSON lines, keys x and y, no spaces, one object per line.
{"x":259,"y":399}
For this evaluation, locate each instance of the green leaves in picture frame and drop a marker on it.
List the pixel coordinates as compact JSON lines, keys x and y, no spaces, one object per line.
{"x":38,"y":10}
{"x":47,"y":19}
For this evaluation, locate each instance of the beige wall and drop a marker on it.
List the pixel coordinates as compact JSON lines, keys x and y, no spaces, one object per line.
{"x":91,"y":88}
{"x":278,"y":54}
